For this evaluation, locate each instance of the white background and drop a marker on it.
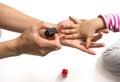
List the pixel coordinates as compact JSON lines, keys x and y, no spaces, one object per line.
{"x":82,"y":67}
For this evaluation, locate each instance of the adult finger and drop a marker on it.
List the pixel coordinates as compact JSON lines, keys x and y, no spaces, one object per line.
{"x":55,"y":43}
{"x":84,"y":49}
{"x":97,"y":45}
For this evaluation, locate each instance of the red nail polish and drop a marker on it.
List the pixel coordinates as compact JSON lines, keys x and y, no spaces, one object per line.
{"x":64,"y":37}
{"x":61,"y":26}
{"x":64,"y":72}
{"x":87,"y":47}
{"x":60,"y":30}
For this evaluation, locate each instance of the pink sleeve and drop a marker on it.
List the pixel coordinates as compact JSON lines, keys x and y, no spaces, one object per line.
{"x":111,"y":21}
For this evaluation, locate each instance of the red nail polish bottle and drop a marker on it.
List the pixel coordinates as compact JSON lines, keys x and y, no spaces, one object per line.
{"x":64,"y":72}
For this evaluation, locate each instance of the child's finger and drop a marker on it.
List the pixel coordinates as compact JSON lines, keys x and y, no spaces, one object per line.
{"x":103,"y":30}
{"x":67,"y":26}
{"x":68,"y":31}
{"x":76,"y":21}
{"x":72,"y":36}
{"x":97,"y":37}
{"x":106,"y":30}
{"x":88,"y":41}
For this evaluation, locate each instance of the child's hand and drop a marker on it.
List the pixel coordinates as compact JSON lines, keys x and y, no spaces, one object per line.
{"x":78,"y":43}
{"x":66,"y":28}
{"x":81,"y":29}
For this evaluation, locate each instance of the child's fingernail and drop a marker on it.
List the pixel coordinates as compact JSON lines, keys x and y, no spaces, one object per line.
{"x":64,"y":37}
{"x":87,"y":47}
{"x":61,"y":26}
{"x":60,"y":30}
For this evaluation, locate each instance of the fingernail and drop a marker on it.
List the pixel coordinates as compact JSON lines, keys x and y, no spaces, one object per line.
{"x":61,"y":26}
{"x":64,"y":37}
{"x":60,"y":30}
{"x":87,"y":47}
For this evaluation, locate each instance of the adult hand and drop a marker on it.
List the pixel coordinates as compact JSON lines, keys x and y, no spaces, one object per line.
{"x":32,"y":42}
{"x":80,"y":44}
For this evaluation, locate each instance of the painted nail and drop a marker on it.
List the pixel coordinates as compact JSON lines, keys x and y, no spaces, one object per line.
{"x":61,"y":26}
{"x":64,"y":37}
{"x":60,"y":30}
{"x":87,"y":47}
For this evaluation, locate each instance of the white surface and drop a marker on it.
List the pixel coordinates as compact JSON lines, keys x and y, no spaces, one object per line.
{"x":82,"y":66}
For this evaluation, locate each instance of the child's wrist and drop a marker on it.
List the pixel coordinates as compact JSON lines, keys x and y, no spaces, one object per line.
{"x":99,"y":23}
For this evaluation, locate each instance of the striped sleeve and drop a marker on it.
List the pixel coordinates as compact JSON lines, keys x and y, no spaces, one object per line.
{"x":111,"y":21}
